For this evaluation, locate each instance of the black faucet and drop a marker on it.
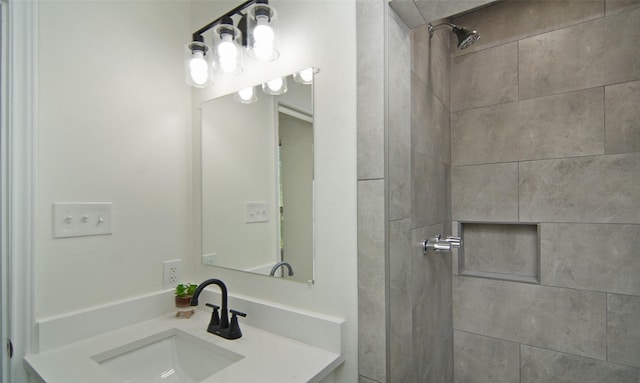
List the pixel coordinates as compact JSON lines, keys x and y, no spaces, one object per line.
{"x":279,"y":264}
{"x":220,"y":325}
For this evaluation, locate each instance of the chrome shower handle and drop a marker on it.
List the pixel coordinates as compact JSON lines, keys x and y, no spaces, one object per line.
{"x":454,"y":241}
{"x":437,"y":244}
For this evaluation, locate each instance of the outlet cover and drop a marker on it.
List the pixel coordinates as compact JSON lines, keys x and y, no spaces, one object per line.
{"x":171,"y":273}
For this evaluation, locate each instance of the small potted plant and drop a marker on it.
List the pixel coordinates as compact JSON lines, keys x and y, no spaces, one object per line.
{"x":184,"y":293}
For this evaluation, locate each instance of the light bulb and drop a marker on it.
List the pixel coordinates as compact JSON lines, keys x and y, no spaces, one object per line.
{"x":263,"y":32}
{"x":246,"y":94}
{"x":307,"y":75}
{"x":263,"y":37}
{"x":199,"y":69}
{"x":275,"y":85}
{"x":227,"y":54}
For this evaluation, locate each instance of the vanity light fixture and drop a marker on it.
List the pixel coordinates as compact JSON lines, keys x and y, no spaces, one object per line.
{"x":275,"y":87}
{"x":256,"y":30}
{"x":246,"y":95}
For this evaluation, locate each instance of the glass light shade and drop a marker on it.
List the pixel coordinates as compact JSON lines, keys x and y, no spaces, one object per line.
{"x":276,"y":87}
{"x":246,"y":95}
{"x":197,"y":64}
{"x":263,"y":34}
{"x":227,"y":43}
{"x":305,"y":76}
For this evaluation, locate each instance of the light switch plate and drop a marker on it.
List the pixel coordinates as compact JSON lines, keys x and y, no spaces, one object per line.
{"x":257,"y":211}
{"x":80,"y":219}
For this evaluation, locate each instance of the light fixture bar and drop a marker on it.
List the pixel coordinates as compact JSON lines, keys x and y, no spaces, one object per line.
{"x":217,"y":21}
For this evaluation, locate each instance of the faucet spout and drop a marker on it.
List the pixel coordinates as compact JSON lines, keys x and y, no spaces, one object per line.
{"x":280,"y":264}
{"x":224,"y":315}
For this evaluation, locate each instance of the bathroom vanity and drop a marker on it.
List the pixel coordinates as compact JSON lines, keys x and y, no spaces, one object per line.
{"x":291,"y":346}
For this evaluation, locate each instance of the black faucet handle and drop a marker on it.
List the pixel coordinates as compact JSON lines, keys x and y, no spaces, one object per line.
{"x":215,"y":317}
{"x":235,"y":312}
{"x":234,"y":326}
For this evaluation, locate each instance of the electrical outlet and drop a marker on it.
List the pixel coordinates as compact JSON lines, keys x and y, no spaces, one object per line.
{"x":171,"y":273}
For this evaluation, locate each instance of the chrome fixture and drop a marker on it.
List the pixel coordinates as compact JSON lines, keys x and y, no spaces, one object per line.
{"x":219,"y":323}
{"x":440,"y":245}
{"x":465,"y":36}
{"x":280,"y":264}
{"x":256,"y":30}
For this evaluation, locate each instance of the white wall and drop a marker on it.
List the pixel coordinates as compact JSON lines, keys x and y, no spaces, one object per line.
{"x":319,"y":34}
{"x":113,"y":125}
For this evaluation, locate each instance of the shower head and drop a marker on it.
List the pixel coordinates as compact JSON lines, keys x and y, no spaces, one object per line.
{"x":465,"y":36}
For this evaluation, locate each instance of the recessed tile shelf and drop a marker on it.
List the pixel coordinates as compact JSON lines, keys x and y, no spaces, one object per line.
{"x":505,"y":251}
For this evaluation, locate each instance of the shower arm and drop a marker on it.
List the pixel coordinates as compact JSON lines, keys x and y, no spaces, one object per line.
{"x":433,"y":28}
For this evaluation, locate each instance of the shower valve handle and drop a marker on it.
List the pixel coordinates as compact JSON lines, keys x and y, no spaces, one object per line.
{"x":437,"y":244}
{"x":454,"y":241}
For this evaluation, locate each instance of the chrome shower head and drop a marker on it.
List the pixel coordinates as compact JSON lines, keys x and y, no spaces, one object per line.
{"x":465,"y":36}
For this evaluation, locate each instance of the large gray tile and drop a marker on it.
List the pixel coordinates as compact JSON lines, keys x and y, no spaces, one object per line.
{"x":401,"y":255}
{"x":622,"y":124}
{"x":561,"y":319}
{"x":432,"y":316}
{"x":438,"y":9}
{"x":430,"y":122}
{"x":600,"y":52}
{"x":485,"y":78}
{"x":399,"y":125}
{"x":508,"y":21}
{"x":430,"y":61}
{"x":408,"y":12}
{"x":433,"y":335}
{"x":543,"y":366}
{"x":364,"y":379}
{"x":623,"y":329}
{"x":566,"y":125}
{"x":479,"y":359}
{"x":429,"y":272}
{"x":370,"y":100}
{"x":485,"y":192}
{"x":601,"y":189}
{"x":601,"y":257}
{"x":371,"y":280}
{"x":617,"y":6}
{"x":431,"y":181}
{"x":508,"y":250}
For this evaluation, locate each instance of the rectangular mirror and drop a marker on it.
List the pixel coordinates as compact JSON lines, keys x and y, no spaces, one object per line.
{"x":257,"y":165}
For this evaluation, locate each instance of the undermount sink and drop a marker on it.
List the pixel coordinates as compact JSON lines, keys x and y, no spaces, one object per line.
{"x":170,"y":356}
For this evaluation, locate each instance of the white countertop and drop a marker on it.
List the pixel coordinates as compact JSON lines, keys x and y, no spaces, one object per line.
{"x":267,"y":357}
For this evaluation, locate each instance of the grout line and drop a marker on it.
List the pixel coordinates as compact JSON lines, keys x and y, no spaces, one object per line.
{"x":510,"y":161}
{"x":520,"y":363}
{"x":606,"y":328}
{"x":535,"y":285}
{"x":604,"y":119}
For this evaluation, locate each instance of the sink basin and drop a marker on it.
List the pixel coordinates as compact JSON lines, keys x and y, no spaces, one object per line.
{"x":170,"y":356}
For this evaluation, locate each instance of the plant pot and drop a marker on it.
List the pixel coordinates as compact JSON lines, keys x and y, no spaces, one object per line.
{"x":183,"y":302}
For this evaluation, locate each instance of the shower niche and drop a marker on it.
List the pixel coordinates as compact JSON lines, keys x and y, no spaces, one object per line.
{"x":505,"y":251}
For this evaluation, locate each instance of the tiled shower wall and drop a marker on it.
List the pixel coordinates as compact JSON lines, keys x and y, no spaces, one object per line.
{"x":405,"y":316}
{"x":545,"y":129}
